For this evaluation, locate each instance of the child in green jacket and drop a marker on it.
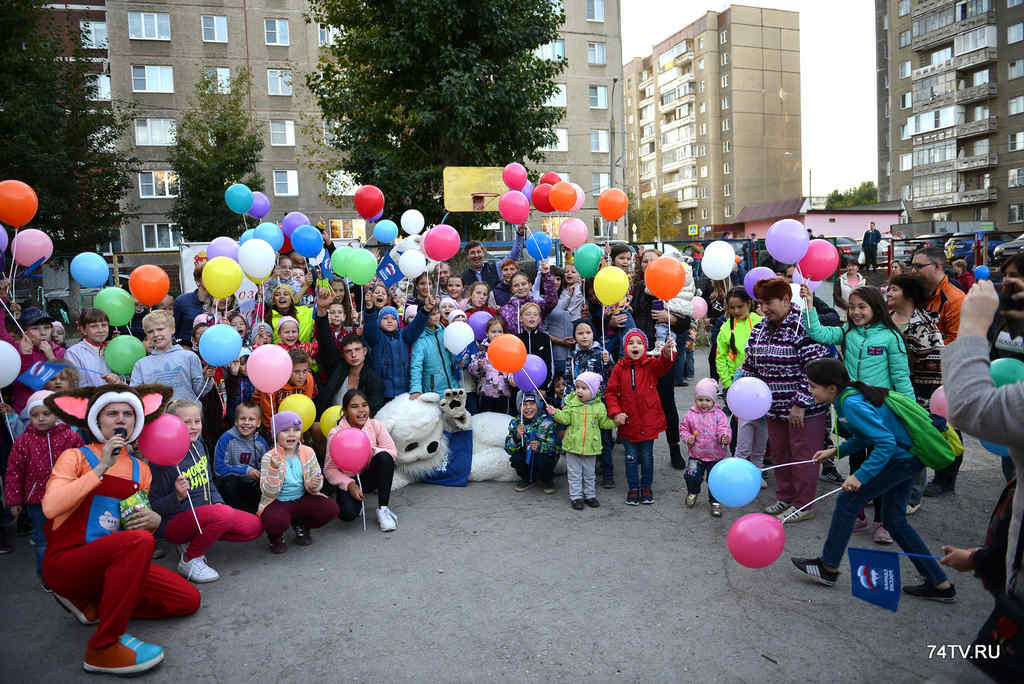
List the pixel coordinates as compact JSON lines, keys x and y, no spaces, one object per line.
{"x":585,"y":415}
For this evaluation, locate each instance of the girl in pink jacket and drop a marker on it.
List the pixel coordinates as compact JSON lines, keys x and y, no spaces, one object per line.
{"x":705,"y":428}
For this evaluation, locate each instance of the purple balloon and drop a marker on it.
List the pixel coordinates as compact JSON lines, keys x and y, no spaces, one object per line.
{"x":292,"y":220}
{"x":532,"y":375}
{"x":749,"y":398}
{"x":377,"y":217}
{"x":478,"y":322}
{"x":260,"y":205}
{"x":222,"y":246}
{"x":3,"y":239}
{"x":528,"y":191}
{"x":787,"y":241}
{"x":751,"y":279}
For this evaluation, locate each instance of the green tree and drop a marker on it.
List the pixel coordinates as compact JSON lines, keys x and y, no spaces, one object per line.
{"x":646,"y":216}
{"x":413,"y":86}
{"x":865,"y":193}
{"x":217,"y":144}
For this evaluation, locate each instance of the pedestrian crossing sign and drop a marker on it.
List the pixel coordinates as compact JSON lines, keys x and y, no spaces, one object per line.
{"x":692,"y":229}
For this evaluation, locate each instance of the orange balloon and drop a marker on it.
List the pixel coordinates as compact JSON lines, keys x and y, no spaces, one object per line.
{"x":612,"y":204}
{"x":665,"y":277}
{"x":562,"y":196}
{"x":507,"y":353}
{"x":149,"y":284}
{"x":18,"y":203}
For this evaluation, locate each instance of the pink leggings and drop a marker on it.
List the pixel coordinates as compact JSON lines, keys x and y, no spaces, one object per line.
{"x":218,"y":522}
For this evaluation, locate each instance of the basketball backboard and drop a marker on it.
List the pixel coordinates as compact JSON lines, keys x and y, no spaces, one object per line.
{"x":472,"y":188}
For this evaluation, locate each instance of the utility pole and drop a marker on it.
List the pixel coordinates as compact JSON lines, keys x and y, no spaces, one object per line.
{"x":611,"y":142}
{"x":657,"y":206}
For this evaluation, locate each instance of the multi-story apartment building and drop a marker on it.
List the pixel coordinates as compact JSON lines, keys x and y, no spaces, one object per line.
{"x":713,"y":117}
{"x":951,"y":108}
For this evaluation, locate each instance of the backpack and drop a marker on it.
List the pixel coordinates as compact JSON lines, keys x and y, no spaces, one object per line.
{"x":930,"y":446}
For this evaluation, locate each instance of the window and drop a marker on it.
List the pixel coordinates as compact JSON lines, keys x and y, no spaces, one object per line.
{"x":94,"y":34}
{"x":557,"y":98}
{"x":727,"y":190}
{"x":905,"y":69}
{"x":703,"y":128}
{"x":905,"y":192}
{"x":704,"y":172}
{"x":700,"y":64}
{"x":1016,"y":179}
{"x":276,"y":31}
{"x":101,"y":83}
{"x":1016,"y":213}
{"x":596,"y":54}
{"x":562,"y":142}
{"x":1015,"y":33}
{"x":279,"y":82}
{"x":1016,"y":104}
{"x":553,"y":50}
{"x":326,"y":35}
{"x":724,"y":59}
{"x":149,"y":26}
{"x":980,"y":77}
{"x":982,"y":37}
{"x":154,"y":131}
{"x":286,"y":183}
{"x":152,"y":79}
{"x":648,"y":131}
{"x":595,"y":10}
{"x":703,"y":107}
{"x":723,"y":37}
{"x":221,"y":76}
{"x":935,"y":184}
{"x":700,"y":43}
{"x":215,"y":28}
{"x":702,"y":150}
{"x":700,"y":86}
{"x":600,"y":182}
{"x":903,"y":8}
{"x":598,"y":140}
{"x":727,"y":147}
{"x":906,"y":161}
{"x":1016,"y":69}
{"x":1014,"y":3}
{"x":705,"y":213}
{"x":1016,"y":141}
{"x":598,"y":97}
{"x":904,"y":39}
{"x":728,"y":210}
{"x":282,"y":133}
{"x":906,"y":100}
{"x":725,"y":125}
{"x":158,"y":184}
{"x":934,"y":154}
{"x":726,"y":168}
{"x":725,"y":103}
{"x":161,"y":236}
{"x":725,"y":80}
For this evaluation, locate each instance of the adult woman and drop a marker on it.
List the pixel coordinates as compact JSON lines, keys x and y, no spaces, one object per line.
{"x":100,"y":573}
{"x":282,"y":303}
{"x":378,"y":473}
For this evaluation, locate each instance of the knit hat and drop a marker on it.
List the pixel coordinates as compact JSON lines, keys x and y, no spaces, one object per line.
{"x":772,"y":288}
{"x":582,"y":321}
{"x":448,"y":300}
{"x":456,"y":315}
{"x":35,"y":399}
{"x":635,"y":332}
{"x":285,"y":319}
{"x":706,"y":388}
{"x":260,"y":326}
{"x":387,"y":311}
{"x":410,"y":312}
{"x":57,"y":324}
{"x":286,"y":419}
{"x":593,"y":382}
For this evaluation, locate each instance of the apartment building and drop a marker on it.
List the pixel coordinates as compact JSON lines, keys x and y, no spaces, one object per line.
{"x":713,"y":117}
{"x":951,"y":108}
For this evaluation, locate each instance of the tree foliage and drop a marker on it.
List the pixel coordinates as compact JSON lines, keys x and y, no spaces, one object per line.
{"x":865,"y":193}
{"x":217,"y":145}
{"x":413,"y":86}
{"x":646,"y":216}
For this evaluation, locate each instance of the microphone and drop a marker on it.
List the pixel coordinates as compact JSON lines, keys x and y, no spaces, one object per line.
{"x":123,"y":434}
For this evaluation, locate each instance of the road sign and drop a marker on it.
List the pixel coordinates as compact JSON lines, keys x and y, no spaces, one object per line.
{"x":692,"y":229}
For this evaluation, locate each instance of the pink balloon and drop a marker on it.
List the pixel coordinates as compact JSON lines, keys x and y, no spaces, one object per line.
{"x":820,"y":261}
{"x":514,"y":176}
{"x":441,"y":242}
{"x":572,"y":233}
{"x":269,"y":367}
{"x":31,"y":245}
{"x":581,"y":197}
{"x":937,"y":404}
{"x":164,"y":441}
{"x":350,"y":450}
{"x":514,"y":207}
{"x":700,"y":308}
{"x":756,"y":540}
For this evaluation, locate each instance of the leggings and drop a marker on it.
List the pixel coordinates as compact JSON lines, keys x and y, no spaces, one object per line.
{"x":312,"y":510}
{"x":376,"y":477}
{"x":218,"y":521}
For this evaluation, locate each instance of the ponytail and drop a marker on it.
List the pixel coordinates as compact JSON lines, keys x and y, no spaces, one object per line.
{"x":832,"y":372}
{"x":741,"y":294}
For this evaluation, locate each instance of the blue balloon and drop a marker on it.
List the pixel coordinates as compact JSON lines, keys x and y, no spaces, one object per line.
{"x":997,"y":449}
{"x":538,"y":245}
{"x":220,"y":344}
{"x":271,"y":233}
{"x":247,"y":235}
{"x":307,"y":241}
{"x":385,"y":231}
{"x":238,"y":198}
{"x":982,"y":273}
{"x":89,"y":269}
{"x":735,"y":481}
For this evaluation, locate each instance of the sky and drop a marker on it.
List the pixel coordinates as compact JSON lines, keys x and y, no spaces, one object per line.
{"x":837,"y":79}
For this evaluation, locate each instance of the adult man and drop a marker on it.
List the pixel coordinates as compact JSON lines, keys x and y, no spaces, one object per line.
{"x":189,"y":305}
{"x":443,"y":271}
{"x":487,"y":271}
{"x":869,"y":245}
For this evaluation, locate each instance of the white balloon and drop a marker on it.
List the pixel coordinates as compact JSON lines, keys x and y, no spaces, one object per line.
{"x":719,"y":258}
{"x":412,"y":221}
{"x":412,"y":263}
{"x":410,"y":242}
{"x":10,"y":364}
{"x":257,"y":258}
{"x":458,"y":336}
{"x":798,"y":301}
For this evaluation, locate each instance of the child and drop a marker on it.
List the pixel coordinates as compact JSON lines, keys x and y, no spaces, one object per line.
{"x":633,"y":402}
{"x":456,"y":290}
{"x":456,"y":315}
{"x":537,"y":342}
{"x":29,"y":466}
{"x":587,"y":355}
{"x":290,"y":482}
{"x":521,"y":295}
{"x":169,"y":364}
{"x":478,"y":295}
{"x":262,"y":333}
{"x":237,"y":459}
{"x":447,"y":306}
{"x":586,"y":416}
{"x":300,"y":382}
{"x":288,"y":332}
{"x":59,"y":334}
{"x":238,"y":321}
{"x":283,"y":275}
{"x":662,"y":331}
{"x":34,"y":346}
{"x":390,"y":346}
{"x":338,"y":316}
{"x":531,"y":445}
{"x":432,"y":368}
{"x":239,"y":387}
{"x":502,"y":290}
{"x":705,"y":428}
{"x":185,"y":493}
{"x":493,"y":390}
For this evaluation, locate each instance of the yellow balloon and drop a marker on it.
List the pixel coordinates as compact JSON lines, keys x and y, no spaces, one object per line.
{"x":302,"y":405}
{"x":329,"y":419}
{"x":222,"y":276}
{"x":611,"y":284}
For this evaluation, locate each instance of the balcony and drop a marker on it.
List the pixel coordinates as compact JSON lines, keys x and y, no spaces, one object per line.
{"x":946,"y":33}
{"x":976,"y":128}
{"x":958,"y":199}
{"x":934,"y":102}
{"x":672,"y":104}
{"x":932,"y":69}
{"x":926,"y":6}
{"x":937,"y":167}
{"x":984,"y":91}
{"x":973,"y":59}
{"x":980,"y":161}
{"x":686,"y":203}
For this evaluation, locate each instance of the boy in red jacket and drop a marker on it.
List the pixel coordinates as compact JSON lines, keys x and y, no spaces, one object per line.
{"x":633,"y":403}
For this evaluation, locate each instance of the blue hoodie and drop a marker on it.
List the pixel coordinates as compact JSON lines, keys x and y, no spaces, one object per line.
{"x":390,"y":355}
{"x":873,"y":427}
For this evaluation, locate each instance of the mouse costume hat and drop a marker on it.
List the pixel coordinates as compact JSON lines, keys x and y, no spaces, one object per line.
{"x":81,"y":407}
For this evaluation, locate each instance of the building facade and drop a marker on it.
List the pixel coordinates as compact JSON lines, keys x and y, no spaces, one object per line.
{"x":713,"y":117}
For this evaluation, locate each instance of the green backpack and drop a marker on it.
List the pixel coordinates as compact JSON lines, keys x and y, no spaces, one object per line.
{"x":930,"y":446}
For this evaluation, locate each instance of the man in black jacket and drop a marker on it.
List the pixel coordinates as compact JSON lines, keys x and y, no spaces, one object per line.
{"x":348,"y":369}
{"x":487,"y":271}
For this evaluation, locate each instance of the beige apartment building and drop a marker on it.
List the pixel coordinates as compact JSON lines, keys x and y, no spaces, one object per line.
{"x":713,"y":118}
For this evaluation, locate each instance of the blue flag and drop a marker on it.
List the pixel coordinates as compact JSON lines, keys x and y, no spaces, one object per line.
{"x":875,"y":576}
{"x":388,"y":272}
{"x":39,"y":373}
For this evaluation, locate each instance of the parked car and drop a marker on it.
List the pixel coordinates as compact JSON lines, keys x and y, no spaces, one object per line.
{"x":1007,"y":250}
{"x":961,"y":246}
{"x":848,"y":247}
{"x":903,"y":250}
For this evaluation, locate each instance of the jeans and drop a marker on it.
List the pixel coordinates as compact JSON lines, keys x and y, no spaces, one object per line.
{"x":640,"y":455}
{"x":35,"y":514}
{"x":892,"y":485}
{"x":605,"y":457}
{"x":917,"y":489}
{"x":696,"y":471}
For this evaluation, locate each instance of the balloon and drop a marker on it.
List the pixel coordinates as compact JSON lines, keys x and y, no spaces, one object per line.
{"x":31,"y":245}
{"x":514,"y":207}
{"x":718,"y":260}
{"x":562,"y":196}
{"x":458,"y":336}
{"x":271,"y":234}
{"x":1007,"y":371}
{"x":749,"y":398}
{"x":756,"y":540}
{"x":665,"y":277}
{"x":982,"y":273}
{"x":735,"y":481}
{"x":514,"y":176}
{"x":165,"y":440}
{"x":292,"y":220}
{"x":350,"y":450}
{"x":572,"y":233}
{"x":581,"y":197}
{"x":612,"y":203}
{"x":611,"y":284}
{"x":507,"y":353}
{"x":361,"y":266}
{"x":307,"y":241}
{"x":89,"y":269}
{"x":937,"y":404}
{"x":532,"y":375}
{"x":787,"y":241}
{"x":538,"y":245}
{"x":587,"y":259}
{"x":541,"y":198}
{"x":329,"y":418}
{"x":220,"y":344}
{"x":412,"y":221}
{"x":527,"y":190}
{"x":122,"y":352}
{"x":303,"y":406}
{"x":149,"y":284}
{"x":800,"y":280}
{"x":755,"y":275}
{"x":3,"y":239}
{"x":222,"y":246}
{"x":441,"y":242}
{"x":369,"y":201}
{"x":222,"y":277}
{"x":116,"y":303}
{"x":256,"y":257}
{"x":238,"y":198}
{"x":997,"y":449}
{"x":18,"y":203}
{"x":339,"y":260}
{"x":820,"y":261}
{"x":10,"y":363}
{"x":700,"y":307}
{"x":412,"y":263}
{"x":385,"y":231}
{"x":260,"y":205}
{"x":269,"y":367}
{"x":478,"y":322}
{"x":551,"y":178}
{"x":376,"y":217}
{"x":249,"y":234}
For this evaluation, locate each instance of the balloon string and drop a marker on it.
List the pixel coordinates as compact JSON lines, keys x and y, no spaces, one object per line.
{"x":811,"y":502}
{"x":272,"y":421}
{"x":4,"y":304}
{"x":783,"y":465}
{"x":362,"y":508}
{"x":190,"y":504}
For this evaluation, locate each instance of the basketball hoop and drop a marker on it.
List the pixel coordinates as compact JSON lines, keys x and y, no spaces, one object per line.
{"x":480,"y":199}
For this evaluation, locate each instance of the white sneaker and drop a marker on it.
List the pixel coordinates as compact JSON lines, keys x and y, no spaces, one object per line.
{"x":196,"y":570}
{"x":385,"y":520}
{"x":776,"y":508}
{"x":794,"y":515}
{"x":391,"y":513}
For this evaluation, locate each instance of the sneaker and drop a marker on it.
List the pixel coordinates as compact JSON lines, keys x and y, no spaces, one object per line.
{"x":931,"y":592}
{"x":592,"y":502}
{"x":87,"y":613}
{"x":776,"y":508}
{"x":128,"y":656}
{"x":391,"y":514}
{"x":645,"y":496}
{"x":716,"y":510}
{"x":302,"y":535}
{"x":548,"y":487}
{"x":937,"y":489}
{"x":861,"y":525}
{"x":831,"y":475}
{"x":881,"y":536}
{"x":633,"y":497}
{"x":813,"y":568}
{"x":794,"y":515}
{"x":523,"y":485}
{"x":577,"y":504}
{"x":913,"y":508}
{"x":608,"y":482}
{"x":196,"y":570}
{"x":691,"y":500}
{"x":277,"y":544}
{"x":384,"y":520}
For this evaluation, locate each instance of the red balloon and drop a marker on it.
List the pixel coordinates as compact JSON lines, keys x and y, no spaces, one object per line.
{"x":551,"y":178}
{"x":820,"y":261}
{"x":164,"y":441}
{"x":369,"y":201}
{"x":542,"y":198}
{"x":350,"y":450}
{"x":18,"y":203}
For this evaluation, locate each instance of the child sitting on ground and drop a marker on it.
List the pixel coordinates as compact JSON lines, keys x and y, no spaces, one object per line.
{"x":585,"y":415}
{"x":531,"y":445}
{"x":705,"y":428}
{"x":237,"y":459}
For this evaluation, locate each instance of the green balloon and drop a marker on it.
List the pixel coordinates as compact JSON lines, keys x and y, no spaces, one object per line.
{"x":116,"y":303}
{"x":1007,"y":371}
{"x":587,"y":259}
{"x":361,"y":266}
{"x":339,"y":260}
{"x":122,"y":352}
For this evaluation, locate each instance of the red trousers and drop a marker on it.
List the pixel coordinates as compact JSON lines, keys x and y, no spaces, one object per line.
{"x":117,"y":572}
{"x":796,"y":485}
{"x":312,"y":510}
{"x":218,"y":522}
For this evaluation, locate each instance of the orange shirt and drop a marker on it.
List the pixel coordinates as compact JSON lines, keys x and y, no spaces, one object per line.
{"x":73,"y":479}
{"x":289,"y":389}
{"x":946,"y":302}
